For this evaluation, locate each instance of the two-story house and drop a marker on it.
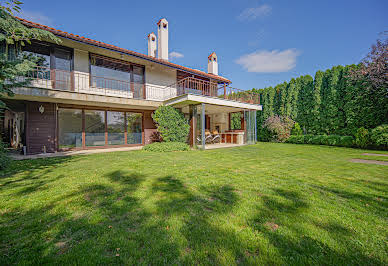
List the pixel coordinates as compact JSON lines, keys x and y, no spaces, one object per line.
{"x":89,"y":94}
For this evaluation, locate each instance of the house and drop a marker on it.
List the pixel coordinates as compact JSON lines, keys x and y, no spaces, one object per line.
{"x":88,"y":94}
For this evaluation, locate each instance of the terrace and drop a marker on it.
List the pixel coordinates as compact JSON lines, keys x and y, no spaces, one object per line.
{"x":80,"y":82}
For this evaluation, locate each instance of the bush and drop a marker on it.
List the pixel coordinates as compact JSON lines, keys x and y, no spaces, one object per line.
{"x":379,"y":136}
{"x":296,"y":130}
{"x":279,"y":126}
{"x":166,"y":147}
{"x":362,"y":138}
{"x":333,"y":140}
{"x":265,"y":135}
{"x":4,"y":158}
{"x":308,"y":139}
{"x":346,"y":141}
{"x":171,"y":124}
{"x":296,"y":139}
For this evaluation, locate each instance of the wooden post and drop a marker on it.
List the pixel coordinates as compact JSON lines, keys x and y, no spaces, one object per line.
{"x":224,"y":91}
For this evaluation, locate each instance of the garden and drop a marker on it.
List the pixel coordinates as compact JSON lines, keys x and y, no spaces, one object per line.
{"x":269,"y":203}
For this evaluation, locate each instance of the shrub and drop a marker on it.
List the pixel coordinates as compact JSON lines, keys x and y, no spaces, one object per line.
{"x":362,"y":138}
{"x":265,"y":135}
{"x":166,"y":147}
{"x":4,"y":158}
{"x":333,"y":140}
{"x":296,"y":130}
{"x":279,"y":126}
{"x":171,"y":124}
{"x":308,"y":139}
{"x":346,"y":141}
{"x":379,"y":136}
{"x":296,"y":139}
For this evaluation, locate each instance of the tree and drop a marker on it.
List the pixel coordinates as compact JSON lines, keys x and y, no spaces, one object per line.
{"x":374,"y":68}
{"x":316,"y":104}
{"x":13,"y":36}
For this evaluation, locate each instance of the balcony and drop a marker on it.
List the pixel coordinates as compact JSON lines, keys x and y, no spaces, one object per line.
{"x":197,"y":86}
{"x":80,"y":82}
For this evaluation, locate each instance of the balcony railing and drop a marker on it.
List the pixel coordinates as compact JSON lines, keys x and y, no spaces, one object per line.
{"x":73,"y":81}
{"x":196,"y":86}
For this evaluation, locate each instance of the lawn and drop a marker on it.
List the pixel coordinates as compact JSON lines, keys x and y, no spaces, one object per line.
{"x":262,"y":204}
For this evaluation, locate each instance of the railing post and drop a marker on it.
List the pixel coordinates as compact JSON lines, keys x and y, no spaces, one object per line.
{"x":224,"y":91}
{"x":144,"y":92}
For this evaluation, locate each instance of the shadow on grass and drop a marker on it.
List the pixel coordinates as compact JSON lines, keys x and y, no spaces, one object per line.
{"x":37,"y":174}
{"x":108,"y":223}
{"x":292,"y":242}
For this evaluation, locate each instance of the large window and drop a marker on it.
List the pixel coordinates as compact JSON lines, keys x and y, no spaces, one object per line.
{"x":94,"y":128}
{"x":134,"y":128}
{"x":116,"y":128}
{"x":116,"y":74}
{"x":91,"y":128}
{"x":70,"y":128}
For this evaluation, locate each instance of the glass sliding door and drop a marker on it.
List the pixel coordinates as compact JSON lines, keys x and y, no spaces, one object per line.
{"x":134,"y":128}
{"x":116,"y":128}
{"x":63,"y":66}
{"x":250,"y":121}
{"x":70,"y":128}
{"x":138,"y":81}
{"x":94,"y":128}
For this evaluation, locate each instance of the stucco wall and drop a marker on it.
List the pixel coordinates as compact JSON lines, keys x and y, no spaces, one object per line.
{"x":157,"y":77}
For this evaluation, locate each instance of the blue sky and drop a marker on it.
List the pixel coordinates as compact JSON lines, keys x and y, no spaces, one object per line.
{"x":258,"y":43}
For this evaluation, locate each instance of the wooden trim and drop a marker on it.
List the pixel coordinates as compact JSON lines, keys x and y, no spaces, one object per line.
{"x":100,"y":108}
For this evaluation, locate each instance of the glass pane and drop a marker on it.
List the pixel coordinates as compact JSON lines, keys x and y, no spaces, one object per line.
{"x":41,"y":52}
{"x":110,"y":74}
{"x":70,"y":128}
{"x":138,"y":79}
{"x":62,"y":69}
{"x":94,"y":128}
{"x":134,"y":128}
{"x":116,"y":126}
{"x":62,"y":59}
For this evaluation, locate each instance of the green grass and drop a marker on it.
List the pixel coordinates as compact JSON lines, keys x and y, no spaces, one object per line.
{"x":266,"y":204}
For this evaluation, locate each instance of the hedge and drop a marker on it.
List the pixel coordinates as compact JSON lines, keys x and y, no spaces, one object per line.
{"x":331,"y":140}
{"x":166,"y":147}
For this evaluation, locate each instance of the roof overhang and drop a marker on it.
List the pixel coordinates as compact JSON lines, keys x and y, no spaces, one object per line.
{"x":192,"y":99}
{"x":111,"y":47}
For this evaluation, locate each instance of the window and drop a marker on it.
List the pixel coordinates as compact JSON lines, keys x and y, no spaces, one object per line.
{"x":116,"y":128}
{"x":70,"y":128}
{"x":134,"y":128}
{"x":42,"y":53}
{"x":116,"y":74}
{"x":94,"y":128}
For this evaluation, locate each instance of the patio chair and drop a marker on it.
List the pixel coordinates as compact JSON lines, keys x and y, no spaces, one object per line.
{"x":216,"y":138}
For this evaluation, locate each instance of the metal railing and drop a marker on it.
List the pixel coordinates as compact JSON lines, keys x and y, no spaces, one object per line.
{"x":73,"y":81}
{"x":196,"y":86}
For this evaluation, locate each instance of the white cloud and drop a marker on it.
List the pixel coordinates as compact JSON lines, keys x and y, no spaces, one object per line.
{"x":253,"y":13}
{"x":35,"y":17}
{"x":176,"y":55}
{"x":269,"y":61}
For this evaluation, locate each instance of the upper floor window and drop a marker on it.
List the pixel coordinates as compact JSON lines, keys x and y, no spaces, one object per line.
{"x":116,"y":74}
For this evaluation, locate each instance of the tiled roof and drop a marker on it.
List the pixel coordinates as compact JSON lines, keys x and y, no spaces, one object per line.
{"x":121,"y":50}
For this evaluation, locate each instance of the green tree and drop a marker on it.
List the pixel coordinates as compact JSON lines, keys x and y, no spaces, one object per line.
{"x":316,"y":103}
{"x":13,"y":36}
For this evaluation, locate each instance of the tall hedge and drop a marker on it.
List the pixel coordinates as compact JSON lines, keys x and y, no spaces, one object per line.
{"x":330,"y":103}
